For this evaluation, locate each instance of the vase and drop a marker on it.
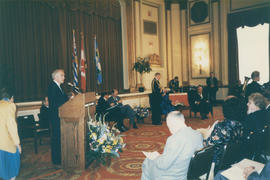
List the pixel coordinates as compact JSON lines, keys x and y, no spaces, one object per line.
{"x":141,"y":89}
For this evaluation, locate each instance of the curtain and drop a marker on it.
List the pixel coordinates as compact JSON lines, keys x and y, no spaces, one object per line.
{"x":36,"y":38}
{"x":246,"y":18}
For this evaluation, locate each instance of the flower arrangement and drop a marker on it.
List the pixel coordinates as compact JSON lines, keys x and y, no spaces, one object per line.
{"x":141,"y":113}
{"x":104,"y":143}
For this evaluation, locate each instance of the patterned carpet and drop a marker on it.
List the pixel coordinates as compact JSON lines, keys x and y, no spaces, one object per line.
{"x":128,"y":166}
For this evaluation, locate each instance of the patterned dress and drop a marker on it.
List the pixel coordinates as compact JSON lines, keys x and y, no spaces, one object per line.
{"x":223,"y":132}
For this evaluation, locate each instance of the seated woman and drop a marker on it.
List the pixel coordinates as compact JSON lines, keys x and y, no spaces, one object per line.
{"x":166,"y":103}
{"x":174,"y":161}
{"x":255,"y":122}
{"x":228,"y":130}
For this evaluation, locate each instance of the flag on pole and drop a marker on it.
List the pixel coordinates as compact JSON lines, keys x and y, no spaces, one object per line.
{"x":75,"y":61}
{"x":82,"y":67}
{"x":98,"y":66}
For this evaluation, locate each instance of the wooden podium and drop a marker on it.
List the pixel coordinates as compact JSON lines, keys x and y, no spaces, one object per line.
{"x":73,"y":116}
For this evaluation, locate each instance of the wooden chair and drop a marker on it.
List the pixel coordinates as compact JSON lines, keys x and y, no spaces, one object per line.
{"x":28,"y":128}
{"x":200,"y":163}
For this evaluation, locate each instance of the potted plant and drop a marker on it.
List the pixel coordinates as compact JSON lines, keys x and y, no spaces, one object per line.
{"x":142,"y":66}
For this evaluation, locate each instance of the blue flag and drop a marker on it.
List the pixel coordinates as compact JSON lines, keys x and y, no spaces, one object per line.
{"x":74,"y":62}
{"x":98,"y":66}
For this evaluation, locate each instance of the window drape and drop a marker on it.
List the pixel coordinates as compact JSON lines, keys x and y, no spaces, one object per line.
{"x":36,"y":38}
{"x":246,"y":18}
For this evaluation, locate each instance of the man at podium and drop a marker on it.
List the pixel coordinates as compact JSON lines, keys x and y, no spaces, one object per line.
{"x":56,"y":97}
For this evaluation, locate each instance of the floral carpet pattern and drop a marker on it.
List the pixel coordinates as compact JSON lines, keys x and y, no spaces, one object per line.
{"x":147,"y":138}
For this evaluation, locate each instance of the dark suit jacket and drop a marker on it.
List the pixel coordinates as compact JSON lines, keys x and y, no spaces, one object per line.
{"x":256,"y":121}
{"x":215,"y":83}
{"x":198,"y":98}
{"x":264,"y":175}
{"x":174,"y":85}
{"x":268,"y":108}
{"x":253,"y":88}
{"x":114,"y":100}
{"x":155,"y":86}
{"x":102,"y":105}
{"x":56,"y":98}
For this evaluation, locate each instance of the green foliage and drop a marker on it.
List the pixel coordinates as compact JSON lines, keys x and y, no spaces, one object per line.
{"x":142,"y":65}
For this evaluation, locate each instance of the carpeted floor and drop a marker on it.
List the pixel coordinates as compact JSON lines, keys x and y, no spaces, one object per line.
{"x":128,"y":166}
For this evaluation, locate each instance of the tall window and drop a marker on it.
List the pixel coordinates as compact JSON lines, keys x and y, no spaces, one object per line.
{"x":253,"y":51}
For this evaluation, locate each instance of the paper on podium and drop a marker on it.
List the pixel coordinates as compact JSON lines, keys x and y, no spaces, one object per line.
{"x":236,"y":171}
{"x":151,"y":155}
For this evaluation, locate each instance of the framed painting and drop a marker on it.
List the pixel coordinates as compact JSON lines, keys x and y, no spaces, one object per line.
{"x":200,"y":55}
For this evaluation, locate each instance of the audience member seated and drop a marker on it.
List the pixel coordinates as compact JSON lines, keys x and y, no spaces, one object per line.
{"x":199,"y":102}
{"x":126,"y":110}
{"x":237,"y":90}
{"x":166,"y":103}
{"x":250,"y":173}
{"x":228,"y":130}
{"x":256,"y":120}
{"x":44,"y":120}
{"x":103,"y":106}
{"x":174,"y":161}
{"x":174,"y":84}
{"x":254,"y":86}
{"x":267,"y":95}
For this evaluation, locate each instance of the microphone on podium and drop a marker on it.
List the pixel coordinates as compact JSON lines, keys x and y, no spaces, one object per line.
{"x":76,"y":89}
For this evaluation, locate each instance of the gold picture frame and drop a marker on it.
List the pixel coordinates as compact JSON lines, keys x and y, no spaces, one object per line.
{"x":200,"y":55}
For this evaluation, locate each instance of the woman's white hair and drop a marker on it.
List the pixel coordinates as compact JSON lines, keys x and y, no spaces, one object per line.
{"x":175,"y":121}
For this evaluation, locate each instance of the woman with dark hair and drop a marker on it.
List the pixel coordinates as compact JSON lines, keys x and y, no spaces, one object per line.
{"x":228,"y":130}
{"x":10,"y":148}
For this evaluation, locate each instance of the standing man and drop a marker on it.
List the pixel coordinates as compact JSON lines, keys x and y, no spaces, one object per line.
{"x":174,"y":84}
{"x":212,"y":87}
{"x":56,"y":97}
{"x":155,"y":100}
{"x":254,"y":86}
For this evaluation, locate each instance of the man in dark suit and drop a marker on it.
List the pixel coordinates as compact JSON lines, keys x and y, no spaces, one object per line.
{"x":155,"y":100}
{"x":56,"y":97}
{"x":103,"y":106}
{"x":212,"y":87}
{"x":254,"y":86}
{"x":201,"y":102}
{"x":174,"y":84}
{"x":126,"y":110}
